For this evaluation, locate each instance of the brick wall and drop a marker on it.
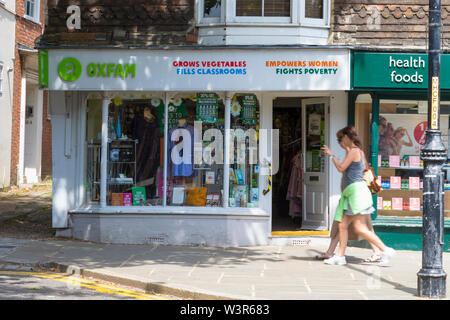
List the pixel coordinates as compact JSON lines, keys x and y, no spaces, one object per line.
{"x":122,"y":23}
{"x":26,"y":33}
{"x":384,"y":23}
{"x":46,"y":164}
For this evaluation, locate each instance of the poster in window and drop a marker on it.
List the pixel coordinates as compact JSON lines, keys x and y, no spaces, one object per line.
{"x":249,"y":110}
{"x":404,"y":134}
{"x":207,"y":109}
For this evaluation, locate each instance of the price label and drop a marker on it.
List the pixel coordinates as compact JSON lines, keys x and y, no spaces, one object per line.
{"x":380,"y":203}
{"x":414,"y":183}
{"x":396,"y":182}
{"x":414,"y":161}
{"x":394,"y":161}
{"x":414,"y":204}
{"x":397,"y":203}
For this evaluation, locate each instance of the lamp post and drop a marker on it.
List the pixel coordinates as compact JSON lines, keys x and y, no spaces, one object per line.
{"x":432,"y":278}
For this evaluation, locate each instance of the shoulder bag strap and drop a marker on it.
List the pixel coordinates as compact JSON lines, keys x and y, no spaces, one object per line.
{"x":366,"y":165}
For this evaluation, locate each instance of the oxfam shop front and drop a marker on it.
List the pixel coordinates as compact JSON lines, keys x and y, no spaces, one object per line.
{"x":179,"y":146}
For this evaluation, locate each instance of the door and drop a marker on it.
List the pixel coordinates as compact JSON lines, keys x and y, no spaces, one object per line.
{"x":33,"y":134}
{"x":315,"y":174}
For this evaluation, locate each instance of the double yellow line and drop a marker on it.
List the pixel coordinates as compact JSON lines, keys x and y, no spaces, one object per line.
{"x":76,"y":281}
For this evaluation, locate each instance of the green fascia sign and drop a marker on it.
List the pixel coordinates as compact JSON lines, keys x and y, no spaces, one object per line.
{"x":395,"y":70}
{"x":43,"y":68}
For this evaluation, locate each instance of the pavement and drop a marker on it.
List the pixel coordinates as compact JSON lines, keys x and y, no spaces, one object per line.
{"x":258,"y":272}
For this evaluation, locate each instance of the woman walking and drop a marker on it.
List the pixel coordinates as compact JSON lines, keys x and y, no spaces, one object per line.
{"x":356,"y":199}
{"x":334,"y":234}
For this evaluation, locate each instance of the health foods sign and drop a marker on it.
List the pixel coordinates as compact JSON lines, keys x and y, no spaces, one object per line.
{"x":219,"y":70}
{"x":395,"y":70}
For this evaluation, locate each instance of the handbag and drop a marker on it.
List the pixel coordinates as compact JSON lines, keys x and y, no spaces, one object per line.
{"x":369,"y":178}
{"x":371,"y":181}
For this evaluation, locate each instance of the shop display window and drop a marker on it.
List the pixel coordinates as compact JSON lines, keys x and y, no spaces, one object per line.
{"x":244,"y":168}
{"x":93,"y":150}
{"x":194,"y":167}
{"x":134,"y":152}
{"x":401,"y":134}
{"x":195,"y":150}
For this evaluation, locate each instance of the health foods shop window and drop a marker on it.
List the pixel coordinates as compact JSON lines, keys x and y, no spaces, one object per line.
{"x":401,"y":133}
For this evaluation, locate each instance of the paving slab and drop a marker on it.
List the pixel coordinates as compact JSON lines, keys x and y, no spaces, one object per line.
{"x":260,"y":272}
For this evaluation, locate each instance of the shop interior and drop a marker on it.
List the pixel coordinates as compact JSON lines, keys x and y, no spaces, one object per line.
{"x":286,"y":209}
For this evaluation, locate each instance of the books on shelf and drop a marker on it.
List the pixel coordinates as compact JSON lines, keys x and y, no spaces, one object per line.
{"x":210,"y":177}
{"x":139,"y":196}
{"x":236,"y":176}
{"x":399,"y":204}
{"x":397,"y":183}
{"x":395,"y":162}
{"x":239,"y":176}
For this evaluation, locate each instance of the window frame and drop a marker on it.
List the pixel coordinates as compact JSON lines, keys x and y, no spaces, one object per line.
{"x":209,"y":20}
{"x":297,"y":16}
{"x":2,"y":67}
{"x":313,"y":22}
{"x":36,"y":17}
{"x":263,"y":19}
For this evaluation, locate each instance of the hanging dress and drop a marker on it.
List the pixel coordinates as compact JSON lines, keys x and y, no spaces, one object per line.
{"x":295,"y":187}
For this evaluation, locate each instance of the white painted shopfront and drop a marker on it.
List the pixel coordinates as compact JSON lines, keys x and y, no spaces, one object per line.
{"x":93,"y":93}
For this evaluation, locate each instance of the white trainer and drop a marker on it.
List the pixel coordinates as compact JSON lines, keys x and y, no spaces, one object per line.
{"x":386,"y":255}
{"x":336,"y":260}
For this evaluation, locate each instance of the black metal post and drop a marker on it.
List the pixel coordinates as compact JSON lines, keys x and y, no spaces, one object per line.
{"x":432,"y":278}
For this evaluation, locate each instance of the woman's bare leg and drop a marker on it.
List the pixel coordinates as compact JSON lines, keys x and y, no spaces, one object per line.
{"x":343,"y":234}
{"x":333,"y":244}
{"x":370,"y":236}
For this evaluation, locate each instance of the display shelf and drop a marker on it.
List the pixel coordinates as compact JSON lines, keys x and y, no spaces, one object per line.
{"x":400,"y":213}
{"x":405,"y":213}
{"x":121,"y":162}
{"x":401,"y":192}
{"x":401,"y":168}
{"x":114,"y":183}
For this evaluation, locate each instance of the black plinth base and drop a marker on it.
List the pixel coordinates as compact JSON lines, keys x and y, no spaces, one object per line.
{"x":431,"y":284}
